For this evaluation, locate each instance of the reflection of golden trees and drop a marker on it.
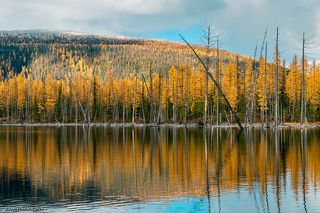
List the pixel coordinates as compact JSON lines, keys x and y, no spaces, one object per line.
{"x":150,"y":163}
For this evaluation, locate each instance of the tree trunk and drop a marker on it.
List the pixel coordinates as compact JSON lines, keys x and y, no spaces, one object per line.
{"x":276,"y":108}
{"x":303,"y":95}
{"x":134,"y":97}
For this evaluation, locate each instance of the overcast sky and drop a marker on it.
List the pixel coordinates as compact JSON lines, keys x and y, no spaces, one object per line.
{"x":241,"y":22}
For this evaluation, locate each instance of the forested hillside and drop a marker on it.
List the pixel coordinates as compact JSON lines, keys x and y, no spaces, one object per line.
{"x":61,"y":77}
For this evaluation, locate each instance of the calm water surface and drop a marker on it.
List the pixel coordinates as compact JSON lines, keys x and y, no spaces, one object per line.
{"x":72,"y":169}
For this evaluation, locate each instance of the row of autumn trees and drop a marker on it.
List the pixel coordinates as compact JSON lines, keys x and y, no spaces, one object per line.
{"x":65,"y":86}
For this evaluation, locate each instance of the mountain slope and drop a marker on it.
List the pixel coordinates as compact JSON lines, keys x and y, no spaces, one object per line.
{"x":21,"y":48}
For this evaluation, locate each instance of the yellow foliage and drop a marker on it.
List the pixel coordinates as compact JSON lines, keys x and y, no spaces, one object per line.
{"x":230,"y":84}
{"x":293,"y":83}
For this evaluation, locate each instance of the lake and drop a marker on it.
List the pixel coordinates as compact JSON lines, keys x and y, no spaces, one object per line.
{"x":97,"y":169}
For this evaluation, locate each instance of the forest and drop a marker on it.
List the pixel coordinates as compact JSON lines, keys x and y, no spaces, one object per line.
{"x":61,"y":78}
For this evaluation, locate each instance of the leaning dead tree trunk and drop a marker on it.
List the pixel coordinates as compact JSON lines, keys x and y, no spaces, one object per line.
{"x":215,"y":83}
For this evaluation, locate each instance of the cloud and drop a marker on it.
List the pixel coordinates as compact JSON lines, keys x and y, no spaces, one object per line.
{"x":105,"y":16}
{"x":242,"y":22}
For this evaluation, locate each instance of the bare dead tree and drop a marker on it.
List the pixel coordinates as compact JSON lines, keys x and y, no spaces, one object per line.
{"x":142,"y":99}
{"x":255,"y":76}
{"x":149,"y":95}
{"x":264,"y":41}
{"x":307,"y":44}
{"x":303,"y":92}
{"x":251,"y":113}
{"x":186,"y":105}
{"x":160,"y":99}
{"x":264,"y":45}
{"x":134,"y":95}
{"x":250,"y":102}
{"x":167,"y":96}
{"x":174,"y":98}
{"x":238,"y":70}
{"x":276,"y":107}
{"x":207,"y":40}
{"x":265,"y":111}
{"x":218,"y":78}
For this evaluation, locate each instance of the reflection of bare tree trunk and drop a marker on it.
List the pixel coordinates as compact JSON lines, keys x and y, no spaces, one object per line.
{"x":251,"y":163}
{"x":265,"y":169}
{"x":94,"y":144}
{"x":278,"y":196}
{"x":167,"y":160}
{"x":142,"y":146}
{"x":134,"y":163}
{"x":218,"y":169}
{"x":238,"y":168}
{"x":176,"y":150}
{"x":157,"y":131}
{"x":303,"y":165}
{"x":151,"y":157}
{"x":186,"y":139}
{"x":255,"y":172}
{"x":205,"y":135}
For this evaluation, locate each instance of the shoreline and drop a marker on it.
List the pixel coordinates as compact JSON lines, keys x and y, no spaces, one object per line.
{"x":172,"y":125}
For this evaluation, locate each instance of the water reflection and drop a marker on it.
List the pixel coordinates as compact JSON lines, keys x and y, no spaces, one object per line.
{"x":166,"y":169}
